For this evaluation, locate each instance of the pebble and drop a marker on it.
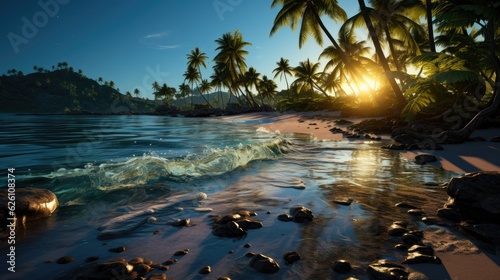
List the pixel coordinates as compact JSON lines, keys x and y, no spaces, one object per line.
{"x":65,"y":260}
{"x":181,"y":253}
{"x":205,"y":270}
{"x":291,"y":257}
{"x":117,"y":249}
{"x":341,"y":266}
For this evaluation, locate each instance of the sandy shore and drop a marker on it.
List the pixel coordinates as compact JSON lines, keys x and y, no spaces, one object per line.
{"x":461,"y":258}
{"x":460,"y":158}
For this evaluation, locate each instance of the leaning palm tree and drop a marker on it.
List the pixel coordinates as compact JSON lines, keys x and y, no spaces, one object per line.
{"x":380,"y":53}
{"x":231,"y":54}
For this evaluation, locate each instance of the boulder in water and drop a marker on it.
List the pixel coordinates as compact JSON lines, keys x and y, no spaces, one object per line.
{"x":387,"y":270}
{"x":30,"y":204}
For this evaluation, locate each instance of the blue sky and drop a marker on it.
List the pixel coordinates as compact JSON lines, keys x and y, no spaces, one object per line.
{"x":135,"y":43}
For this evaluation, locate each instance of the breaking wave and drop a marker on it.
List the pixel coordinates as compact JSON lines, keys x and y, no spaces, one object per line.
{"x":151,"y":167}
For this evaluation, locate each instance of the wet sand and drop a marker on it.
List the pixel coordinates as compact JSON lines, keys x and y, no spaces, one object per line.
{"x":461,"y":257}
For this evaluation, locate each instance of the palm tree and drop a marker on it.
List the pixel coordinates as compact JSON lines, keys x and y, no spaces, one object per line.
{"x":307,"y":76}
{"x":283,"y":69}
{"x":99,"y":79}
{"x":137,"y":92}
{"x":380,"y":53}
{"x":309,"y":13}
{"x":196,"y":59}
{"x":267,"y":89}
{"x":191,"y":76}
{"x":205,"y":87}
{"x":336,"y":71}
{"x":430,"y":28}
{"x":398,"y":20}
{"x":232,"y":56}
{"x":184,"y":90}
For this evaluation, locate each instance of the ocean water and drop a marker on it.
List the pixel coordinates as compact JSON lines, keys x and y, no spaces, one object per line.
{"x":109,"y":169}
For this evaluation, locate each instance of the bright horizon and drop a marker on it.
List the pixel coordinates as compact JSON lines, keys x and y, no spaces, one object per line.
{"x":135,"y":44}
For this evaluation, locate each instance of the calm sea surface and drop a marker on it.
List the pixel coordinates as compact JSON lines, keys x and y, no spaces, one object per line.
{"x":103,"y":166}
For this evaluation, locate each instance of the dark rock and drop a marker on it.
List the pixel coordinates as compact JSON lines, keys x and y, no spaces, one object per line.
{"x":109,"y":270}
{"x":411,"y":239}
{"x":425,"y":158}
{"x":401,"y":223}
{"x":387,"y":270}
{"x":405,"y":139}
{"x":421,"y":258}
{"x":142,"y":269}
{"x":264,"y":264}
{"x":396,"y":230}
{"x":250,"y":254}
{"x":495,"y":139}
{"x":341,"y":266}
{"x":224,"y":278}
{"x":205,"y":270}
{"x":228,"y":218}
{"x":181,"y":253}
{"x":400,"y":247}
{"x":157,"y":277}
{"x":135,"y":261}
{"x":181,"y":222}
{"x":291,"y":257}
{"x":65,"y":260}
{"x":31,"y":204}
{"x":117,"y":249}
{"x":301,"y":214}
{"x":421,"y":249}
{"x":247,"y":245}
{"x":484,"y":232}
{"x":416,"y":212}
{"x":405,"y":205}
{"x":246,"y":224}
{"x":169,"y":262}
{"x":285,"y":218}
{"x":344,"y":201}
{"x":477,"y":195}
{"x":342,"y":122}
{"x":430,"y":221}
{"x":394,"y":146}
{"x":450,"y":214}
{"x":91,"y":259}
{"x":231,"y":229}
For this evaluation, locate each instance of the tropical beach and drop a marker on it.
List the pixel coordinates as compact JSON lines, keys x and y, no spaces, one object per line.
{"x":249,"y":140}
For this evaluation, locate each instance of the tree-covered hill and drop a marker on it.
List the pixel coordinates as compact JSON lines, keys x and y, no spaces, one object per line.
{"x":65,"y":91}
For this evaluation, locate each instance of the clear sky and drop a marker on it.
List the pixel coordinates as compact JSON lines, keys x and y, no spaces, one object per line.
{"x":135,"y":43}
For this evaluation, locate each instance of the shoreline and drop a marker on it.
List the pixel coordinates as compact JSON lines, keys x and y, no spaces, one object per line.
{"x":460,"y":158}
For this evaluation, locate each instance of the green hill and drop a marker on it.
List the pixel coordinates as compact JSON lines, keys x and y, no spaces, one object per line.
{"x":65,"y":91}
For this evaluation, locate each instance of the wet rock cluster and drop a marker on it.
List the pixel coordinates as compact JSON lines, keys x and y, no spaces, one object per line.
{"x":235,"y":224}
{"x":298,"y":214}
{"x":474,"y":204}
{"x":120,"y":268}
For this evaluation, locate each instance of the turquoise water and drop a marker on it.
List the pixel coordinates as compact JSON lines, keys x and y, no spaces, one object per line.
{"x":102,"y":167}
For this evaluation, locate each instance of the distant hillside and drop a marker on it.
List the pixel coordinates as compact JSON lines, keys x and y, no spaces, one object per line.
{"x":65,"y":91}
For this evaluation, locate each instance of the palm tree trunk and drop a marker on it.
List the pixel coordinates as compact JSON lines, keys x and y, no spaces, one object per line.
{"x":378,"y":49}
{"x":390,"y":41}
{"x":430,"y":28}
